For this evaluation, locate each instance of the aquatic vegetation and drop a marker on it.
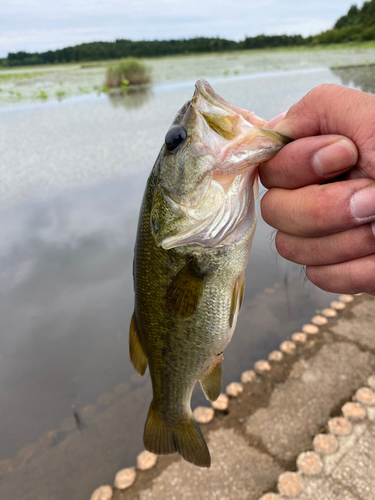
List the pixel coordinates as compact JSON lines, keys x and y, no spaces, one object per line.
{"x":60,"y":94}
{"x":83,"y":90}
{"x":42,"y":95}
{"x":19,"y":76}
{"x":133,"y":70}
{"x":226,"y":72}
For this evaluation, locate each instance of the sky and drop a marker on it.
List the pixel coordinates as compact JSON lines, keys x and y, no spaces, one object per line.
{"x":40,"y":25}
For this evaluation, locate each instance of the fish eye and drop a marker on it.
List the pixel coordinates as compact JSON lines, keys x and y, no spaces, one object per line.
{"x":175,"y":136}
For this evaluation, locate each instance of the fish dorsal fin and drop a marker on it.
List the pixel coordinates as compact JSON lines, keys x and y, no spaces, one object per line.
{"x":137,"y":355}
{"x":185,"y":291}
{"x":212,"y":383}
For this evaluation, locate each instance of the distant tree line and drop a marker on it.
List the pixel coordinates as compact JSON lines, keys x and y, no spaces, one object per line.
{"x":356,"y":25}
{"x":99,"y":51}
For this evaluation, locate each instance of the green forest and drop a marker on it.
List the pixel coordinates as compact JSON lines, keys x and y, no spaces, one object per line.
{"x":356,"y":26}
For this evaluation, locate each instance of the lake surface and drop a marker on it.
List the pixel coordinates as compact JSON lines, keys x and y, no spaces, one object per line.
{"x":72,"y":178}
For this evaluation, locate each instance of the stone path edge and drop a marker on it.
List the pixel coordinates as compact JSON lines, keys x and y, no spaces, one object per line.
{"x":310,"y":337}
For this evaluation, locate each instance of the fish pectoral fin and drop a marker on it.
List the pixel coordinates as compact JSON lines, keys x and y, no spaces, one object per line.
{"x":212,"y":383}
{"x":137,"y":355}
{"x":185,"y":291}
{"x":184,"y":438}
{"x":241,"y":292}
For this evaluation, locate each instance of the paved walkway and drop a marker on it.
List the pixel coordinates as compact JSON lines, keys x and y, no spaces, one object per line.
{"x":302,"y":427}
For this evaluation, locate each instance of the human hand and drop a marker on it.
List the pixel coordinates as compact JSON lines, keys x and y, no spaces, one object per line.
{"x":327,"y":226}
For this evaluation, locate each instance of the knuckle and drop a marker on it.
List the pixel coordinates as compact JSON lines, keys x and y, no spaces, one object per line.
{"x":265,"y":208}
{"x":318,"y":276}
{"x":285,"y":247}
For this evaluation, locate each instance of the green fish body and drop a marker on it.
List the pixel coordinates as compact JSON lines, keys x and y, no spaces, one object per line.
{"x":195,"y":231}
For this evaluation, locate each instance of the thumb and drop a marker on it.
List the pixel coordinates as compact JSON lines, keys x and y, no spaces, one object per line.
{"x":328,"y":109}
{"x":334,"y":109}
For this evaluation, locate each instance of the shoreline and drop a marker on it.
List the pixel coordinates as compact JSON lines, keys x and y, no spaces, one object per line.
{"x":20,"y":85}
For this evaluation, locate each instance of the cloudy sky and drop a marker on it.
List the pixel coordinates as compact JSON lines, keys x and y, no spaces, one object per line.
{"x":39,"y":25}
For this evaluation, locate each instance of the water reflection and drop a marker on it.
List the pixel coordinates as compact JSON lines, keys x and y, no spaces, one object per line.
{"x":133,"y":98}
{"x":362,"y":77}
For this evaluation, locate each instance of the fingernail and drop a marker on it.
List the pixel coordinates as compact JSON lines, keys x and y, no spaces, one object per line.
{"x":362,"y":203}
{"x":277,"y":119}
{"x":336,"y":157}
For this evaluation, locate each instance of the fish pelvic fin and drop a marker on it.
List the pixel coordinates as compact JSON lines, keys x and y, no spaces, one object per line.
{"x":212,"y":383}
{"x":184,"y":437}
{"x":137,"y":355}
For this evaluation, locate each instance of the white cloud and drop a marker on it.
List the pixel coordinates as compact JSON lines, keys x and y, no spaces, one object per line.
{"x":41,"y":25}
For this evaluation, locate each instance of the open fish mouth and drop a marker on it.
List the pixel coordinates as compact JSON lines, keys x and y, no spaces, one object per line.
{"x":233,"y":135}
{"x":208,"y":182}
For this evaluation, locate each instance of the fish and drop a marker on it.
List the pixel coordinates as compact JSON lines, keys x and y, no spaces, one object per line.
{"x":195,"y":230}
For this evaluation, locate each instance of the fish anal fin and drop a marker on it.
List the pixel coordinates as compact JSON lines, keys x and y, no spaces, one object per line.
{"x":185,"y":291}
{"x":137,"y":355}
{"x":185,"y":438}
{"x":212,"y":383}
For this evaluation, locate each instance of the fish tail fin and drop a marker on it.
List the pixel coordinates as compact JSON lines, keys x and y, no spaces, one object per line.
{"x":184,"y":438}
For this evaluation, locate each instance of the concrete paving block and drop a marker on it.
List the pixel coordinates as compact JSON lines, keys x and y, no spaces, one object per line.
{"x":203,"y":415}
{"x":360,"y":326}
{"x":290,"y":484}
{"x":275,"y":356}
{"x":299,"y":338}
{"x":357,"y":469}
{"x":221,"y":403}
{"x":309,"y":463}
{"x":299,"y":407}
{"x":339,"y":426}
{"x":346,"y":443}
{"x":146,"y":460}
{"x":102,"y":493}
{"x":322,"y":488}
{"x":234,"y":389}
{"x":237,"y":471}
{"x":339,"y":306}
{"x":125,"y":478}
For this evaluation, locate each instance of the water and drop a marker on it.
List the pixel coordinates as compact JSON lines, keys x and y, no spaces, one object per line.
{"x":72,"y":177}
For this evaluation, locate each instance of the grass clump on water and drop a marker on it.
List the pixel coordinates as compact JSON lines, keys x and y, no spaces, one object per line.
{"x":129,"y":71}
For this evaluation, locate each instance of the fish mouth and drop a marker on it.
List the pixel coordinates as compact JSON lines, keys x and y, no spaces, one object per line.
{"x":233,"y":135}
{"x":211,"y":192}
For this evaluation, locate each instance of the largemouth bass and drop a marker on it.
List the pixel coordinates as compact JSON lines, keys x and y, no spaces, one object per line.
{"x":195,"y":231}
